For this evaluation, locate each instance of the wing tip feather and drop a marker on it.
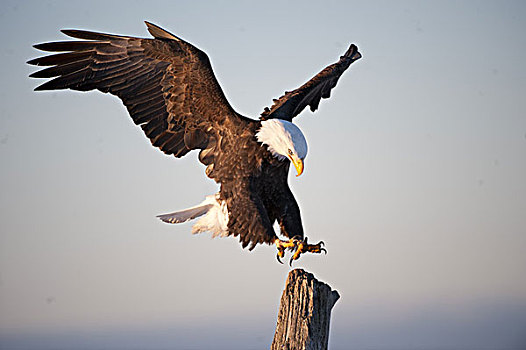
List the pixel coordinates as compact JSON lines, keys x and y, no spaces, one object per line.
{"x":40,"y":88}
{"x":159,"y":33}
{"x":40,"y":47}
{"x":33,"y":62}
{"x":353,"y":53}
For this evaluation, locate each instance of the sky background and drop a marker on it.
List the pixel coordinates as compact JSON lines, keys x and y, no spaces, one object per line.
{"x":415,"y":179}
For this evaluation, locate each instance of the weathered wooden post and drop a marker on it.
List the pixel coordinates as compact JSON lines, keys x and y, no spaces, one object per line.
{"x":304,"y":313}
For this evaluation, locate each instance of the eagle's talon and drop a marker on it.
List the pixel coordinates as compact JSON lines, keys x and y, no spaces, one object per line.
{"x":298,"y":246}
{"x":305,"y":247}
{"x":291,"y":244}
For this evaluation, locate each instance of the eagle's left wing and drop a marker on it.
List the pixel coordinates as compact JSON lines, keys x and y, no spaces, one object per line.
{"x":309,"y":94}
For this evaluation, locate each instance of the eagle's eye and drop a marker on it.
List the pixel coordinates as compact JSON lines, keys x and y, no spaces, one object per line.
{"x":290,"y":152}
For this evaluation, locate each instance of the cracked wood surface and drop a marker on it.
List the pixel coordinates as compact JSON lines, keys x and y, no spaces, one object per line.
{"x":304,"y":313}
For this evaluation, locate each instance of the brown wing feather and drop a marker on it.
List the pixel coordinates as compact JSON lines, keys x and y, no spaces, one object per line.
{"x":309,"y":94}
{"x":167,"y":84}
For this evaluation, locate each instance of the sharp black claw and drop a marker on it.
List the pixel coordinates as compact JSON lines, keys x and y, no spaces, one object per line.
{"x":322,"y":243}
{"x":277,"y":257}
{"x":323,"y":250}
{"x":290,"y":262}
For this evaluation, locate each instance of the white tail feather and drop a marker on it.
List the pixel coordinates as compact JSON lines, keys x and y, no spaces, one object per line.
{"x":215,"y":221}
{"x":185,"y":215}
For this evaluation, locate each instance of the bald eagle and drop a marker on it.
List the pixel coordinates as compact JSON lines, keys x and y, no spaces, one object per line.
{"x":170,"y":91}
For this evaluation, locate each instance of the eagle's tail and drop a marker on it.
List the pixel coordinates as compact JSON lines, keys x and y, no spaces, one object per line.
{"x":215,"y":220}
{"x":186,"y":214}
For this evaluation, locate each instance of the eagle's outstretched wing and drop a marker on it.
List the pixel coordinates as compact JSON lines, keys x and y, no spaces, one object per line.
{"x":167,"y":84}
{"x":309,"y":94}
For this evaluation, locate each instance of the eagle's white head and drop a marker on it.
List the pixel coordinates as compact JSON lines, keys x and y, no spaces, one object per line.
{"x":284,"y":140}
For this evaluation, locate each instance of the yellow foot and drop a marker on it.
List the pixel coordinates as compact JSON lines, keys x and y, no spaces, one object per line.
{"x":304,"y":247}
{"x":291,"y":244}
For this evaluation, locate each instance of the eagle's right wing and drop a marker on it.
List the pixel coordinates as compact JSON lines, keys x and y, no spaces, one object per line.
{"x":167,"y":84}
{"x":309,"y":94}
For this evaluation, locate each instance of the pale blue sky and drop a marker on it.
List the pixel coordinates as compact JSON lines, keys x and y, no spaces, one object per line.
{"x":415,"y":179}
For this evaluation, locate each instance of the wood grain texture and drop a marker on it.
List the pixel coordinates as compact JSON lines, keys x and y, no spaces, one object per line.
{"x":304,"y":313}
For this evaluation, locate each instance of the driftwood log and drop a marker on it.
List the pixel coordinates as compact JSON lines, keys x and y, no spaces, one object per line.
{"x":304,"y":313}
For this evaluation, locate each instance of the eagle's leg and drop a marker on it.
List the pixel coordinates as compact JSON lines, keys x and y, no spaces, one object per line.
{"x":291,"y":244}
{"x":304,"y":247}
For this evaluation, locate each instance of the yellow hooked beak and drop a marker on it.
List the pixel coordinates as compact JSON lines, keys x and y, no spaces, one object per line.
{"x":298,"y":164}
